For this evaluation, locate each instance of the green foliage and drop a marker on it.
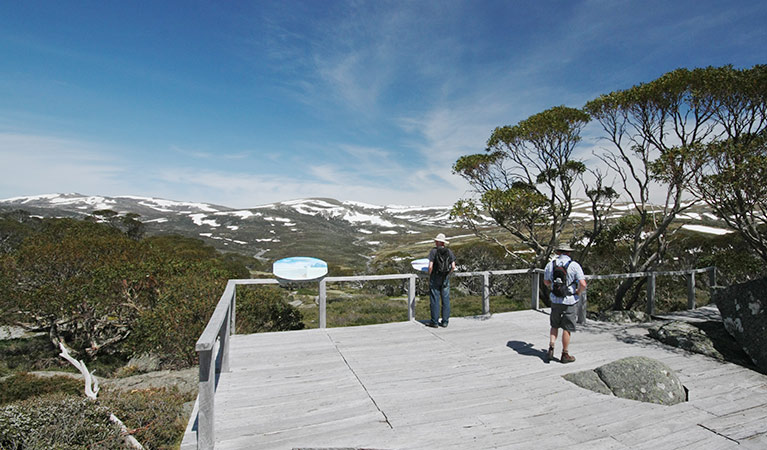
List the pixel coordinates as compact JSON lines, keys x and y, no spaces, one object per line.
{"x":15,"y":226}
{"x":156,"y":417}
{"x":57,"y":421}
{"x":265,"y":309}
{"x":105,"y":293}
{"x":22,"y":385}
{"x":540,"y":128}
{"x":519,"y":206}
{"x":525,"y":180}
{"x":22,"y":355}
{"x":178,"y":311}
{"x":479,"y":166}
{"x":128,"y":223}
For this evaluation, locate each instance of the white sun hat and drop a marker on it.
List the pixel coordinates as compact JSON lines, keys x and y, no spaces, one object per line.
{"x":441,"y":238}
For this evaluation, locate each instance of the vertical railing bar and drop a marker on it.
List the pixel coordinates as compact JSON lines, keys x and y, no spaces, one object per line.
{"x":223,"y":337}
{"x":582,"y":308}
{"x":651,"y":294}
{"x":535,"y":290}
{"x":233,"y":309}
{"x":323,"y":303}
{"x":691,"y":291}
{"x":411,"y":291}
{"x":486,"y":293}
{"x":207,"y":389}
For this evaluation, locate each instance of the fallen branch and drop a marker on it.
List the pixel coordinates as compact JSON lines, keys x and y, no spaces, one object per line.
{"x":92,"y":390}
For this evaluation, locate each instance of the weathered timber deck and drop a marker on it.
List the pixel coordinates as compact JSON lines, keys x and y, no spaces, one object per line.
{"x":478,"y":384}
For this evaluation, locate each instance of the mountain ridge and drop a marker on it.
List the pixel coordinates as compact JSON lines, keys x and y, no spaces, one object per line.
{"x":346,"y":233}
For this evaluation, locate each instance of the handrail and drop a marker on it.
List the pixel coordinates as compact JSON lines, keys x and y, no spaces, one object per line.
{"x":214,"y":359}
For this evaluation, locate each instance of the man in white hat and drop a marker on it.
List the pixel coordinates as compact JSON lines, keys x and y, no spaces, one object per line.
{"x":564,"y":296}
{"x":441,"y":264}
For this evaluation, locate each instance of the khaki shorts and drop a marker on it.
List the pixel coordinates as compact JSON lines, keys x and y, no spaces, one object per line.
{"x":564,"y":316}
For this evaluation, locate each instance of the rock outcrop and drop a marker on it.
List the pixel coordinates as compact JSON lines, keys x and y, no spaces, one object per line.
{"x":744,"y":313}
{"x":634,"y":378}
{"x":707,"y":338}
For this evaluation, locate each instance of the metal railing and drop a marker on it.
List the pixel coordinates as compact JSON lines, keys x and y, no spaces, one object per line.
{"x":213,"y":344}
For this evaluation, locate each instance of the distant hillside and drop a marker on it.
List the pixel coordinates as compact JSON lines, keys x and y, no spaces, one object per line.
{"x":342,"y":233}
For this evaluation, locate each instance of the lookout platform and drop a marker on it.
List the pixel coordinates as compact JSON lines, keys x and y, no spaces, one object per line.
{"x":481,"y":383}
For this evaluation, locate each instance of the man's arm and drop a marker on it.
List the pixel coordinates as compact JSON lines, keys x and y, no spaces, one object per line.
{"x":581,"y":287}
{"x":431,"y":265}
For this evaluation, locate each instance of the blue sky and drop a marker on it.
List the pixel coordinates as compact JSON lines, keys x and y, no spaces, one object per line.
{"x":245,"y":103}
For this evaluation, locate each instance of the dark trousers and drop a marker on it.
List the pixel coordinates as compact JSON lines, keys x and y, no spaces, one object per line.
{"x":439,"y":288}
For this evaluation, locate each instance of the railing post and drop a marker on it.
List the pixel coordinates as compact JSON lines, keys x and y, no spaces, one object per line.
{"x":582,"y":304}
{"x":651,"y":294}
{"x":411,"y":297}
{"x":207,"y":390}
{"x":711,"y":282}
{"x":223,"y":338}
{"x":691,"y":291}
{"x":323,"y":302}
{"x":233,"y":309}
{"x":534,"y":288}
{"x":486,"y":293}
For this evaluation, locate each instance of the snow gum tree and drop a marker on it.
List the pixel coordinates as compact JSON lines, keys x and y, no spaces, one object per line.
{"x":652,"y":131}
{"x":525,"y":180}
{"x":731,"y":170}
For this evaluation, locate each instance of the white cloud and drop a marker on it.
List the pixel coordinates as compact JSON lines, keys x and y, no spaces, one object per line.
{"x":34,"y":164}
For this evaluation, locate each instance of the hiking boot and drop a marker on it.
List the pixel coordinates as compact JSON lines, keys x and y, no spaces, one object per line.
{"x":431,"y":325}
{"x":550,"y":354}
{"x":566,"y":358}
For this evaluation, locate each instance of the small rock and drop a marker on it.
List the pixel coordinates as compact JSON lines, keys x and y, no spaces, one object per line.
{"x":144,"y":363}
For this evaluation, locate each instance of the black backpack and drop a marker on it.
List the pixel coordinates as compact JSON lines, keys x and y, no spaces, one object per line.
{"x":442,"y":263}
{"x":559,"y":286}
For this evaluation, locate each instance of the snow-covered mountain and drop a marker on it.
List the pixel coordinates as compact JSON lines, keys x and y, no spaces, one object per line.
{"x":341,"y":232}
{"x":288,"y":228}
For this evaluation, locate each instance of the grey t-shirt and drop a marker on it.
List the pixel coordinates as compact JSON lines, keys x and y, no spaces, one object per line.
{"x":574,"y":275}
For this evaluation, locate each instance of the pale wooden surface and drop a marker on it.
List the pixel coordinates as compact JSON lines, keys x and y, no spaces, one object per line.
{"x":478,"y":384}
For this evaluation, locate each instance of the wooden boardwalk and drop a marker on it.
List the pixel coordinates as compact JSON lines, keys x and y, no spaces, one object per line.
{"x":481,"y":383}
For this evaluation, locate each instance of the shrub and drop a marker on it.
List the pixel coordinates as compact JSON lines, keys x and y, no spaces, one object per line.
{"x":26,"y":354}
{"x":155,"y":417}
{"x":265,"y":309}
{"x":57,"y":421}
{"x":21,"y":386}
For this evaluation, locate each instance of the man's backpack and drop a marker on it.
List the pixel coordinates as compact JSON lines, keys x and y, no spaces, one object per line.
{"x":442,"y":263}
{"x":559,"y":286}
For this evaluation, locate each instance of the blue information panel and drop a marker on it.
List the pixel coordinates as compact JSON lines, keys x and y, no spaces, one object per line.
{"x":421,"y":265}
{"x":300,"y":268}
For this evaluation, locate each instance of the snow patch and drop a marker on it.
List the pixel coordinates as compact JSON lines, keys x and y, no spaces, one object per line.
{"x":706,"y":229}
{"x":200,"y":220}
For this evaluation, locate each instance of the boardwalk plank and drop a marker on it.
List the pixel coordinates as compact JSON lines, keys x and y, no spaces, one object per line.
{"x":477,"y":384}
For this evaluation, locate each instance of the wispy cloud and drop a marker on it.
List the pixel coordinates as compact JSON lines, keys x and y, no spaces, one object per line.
{"x":44,"y":164}
{"x":199,"y":154}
